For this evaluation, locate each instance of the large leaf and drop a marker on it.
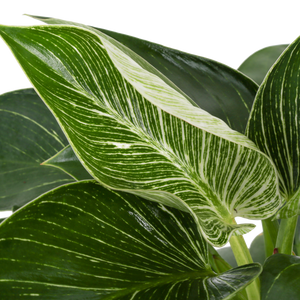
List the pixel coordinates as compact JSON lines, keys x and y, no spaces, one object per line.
{"x":216,"y":88}
{"x":92,"y":243}
{"x":133,"y":130}
{"x":258,"y":64}
{"x":274,"y":123}
{"x":280,"y":277}
{"x":29,"y":134}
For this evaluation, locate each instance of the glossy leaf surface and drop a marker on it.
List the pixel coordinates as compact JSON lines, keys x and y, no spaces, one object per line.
{"x":67,"y":161}
{"x":29,"y":135}
{"x":134,"y":131}
{"x":280,"y":277}
{"x":258,"y":64}
{"x":216,"y":88}
{"x":92,"y":243}
{"x":274,"y":123}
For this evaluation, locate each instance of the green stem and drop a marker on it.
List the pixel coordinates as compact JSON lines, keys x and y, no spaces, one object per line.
{"x":285,"y":239}
{"x":243,"y":257}
{"x":270,"y":235}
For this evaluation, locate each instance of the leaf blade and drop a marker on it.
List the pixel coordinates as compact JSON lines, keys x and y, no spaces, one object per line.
{"x":111,"y":246}
{"x":130,"y":144}
{"x":29,"y":135}
{"x":273,"y":124}
{"x":216,"y":88}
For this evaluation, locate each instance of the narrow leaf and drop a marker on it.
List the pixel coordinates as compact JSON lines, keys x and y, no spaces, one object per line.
{"x":133,"y":131}
{"x":92,"y":243}
{"x":274,"y":124}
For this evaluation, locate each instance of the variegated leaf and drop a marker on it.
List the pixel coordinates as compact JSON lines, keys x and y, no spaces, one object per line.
{"x":133,"y":130}
{"x":218,"y":89}
{"x":82,"y":241}
{"x":274,"y":124}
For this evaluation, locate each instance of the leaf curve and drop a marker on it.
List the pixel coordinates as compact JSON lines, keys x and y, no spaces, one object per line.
{"x":259,"y":63}
{"x":274,"y":124}
{"x":128,"y":143}
{"x":216,"y":88}
{"x":98,"y":244}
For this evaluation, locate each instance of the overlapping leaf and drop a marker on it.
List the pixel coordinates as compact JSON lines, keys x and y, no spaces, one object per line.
{"x":216,"y":88}
{"x":134,"y":130}
{"x":274,"y":123}
{"x":92,"y":243}
{"x":280,"y":277}
{"x":67,"y":161}
{"x":258,"y":64}
{"x":29,"y":134}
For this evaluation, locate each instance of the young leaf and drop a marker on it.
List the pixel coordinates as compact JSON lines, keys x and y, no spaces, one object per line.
{"x":29,"y":134}
{"x":216,"y":88}
{"x":133,"y":130}
{"x":92,"y":243}
{"x":258,"y":64}
{"x":274,"y":124}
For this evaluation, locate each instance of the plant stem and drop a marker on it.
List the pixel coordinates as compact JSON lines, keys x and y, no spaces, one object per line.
{"x":285,"y":239}
{"x":243,"y":257}
{"x":270,"y":235}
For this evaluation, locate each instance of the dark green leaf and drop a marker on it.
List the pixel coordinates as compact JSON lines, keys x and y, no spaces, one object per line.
{"x":258,"y":64}
{"x":280,"y":278}
{"x":82,"y":241}
{"x":67,"y":161}
{"x":29,"y":135}
{"x":228,"y":255}
{"x":257,"y":249}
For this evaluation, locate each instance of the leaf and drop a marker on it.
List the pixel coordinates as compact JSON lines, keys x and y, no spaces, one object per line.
{"x":274,"y":124}
{"x":92,"y":243}
{"x":257,"y":249}
{"x":134,"y":131}
{"x":280,"y":277}
{"x":67,"y":161}
{"x":29,"y":135}
{"x":258,"y":64}
{"x":228,"y":255}
{"x":216,"y":88}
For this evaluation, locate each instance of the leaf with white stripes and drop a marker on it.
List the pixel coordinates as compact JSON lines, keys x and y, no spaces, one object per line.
{"x":82,"y":241}
{"x":133,"y":130}
{"x":274,"y":124}
{"x":220,"y":90}
{"x":29,"y":134}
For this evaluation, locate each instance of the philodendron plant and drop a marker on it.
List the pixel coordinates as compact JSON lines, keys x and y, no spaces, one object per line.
{"x":128,"y":163}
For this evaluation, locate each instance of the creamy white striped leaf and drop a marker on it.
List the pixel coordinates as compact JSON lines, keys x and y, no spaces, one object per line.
{"x":134,"y":131}
{"x":82,"y":241}
{"x":274,"y":124}
{"x":220,"y":90}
